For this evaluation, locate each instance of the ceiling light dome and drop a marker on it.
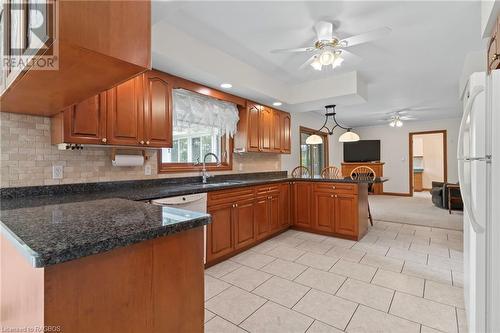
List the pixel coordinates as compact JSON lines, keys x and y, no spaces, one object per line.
{"x":314,"y":139}
{"x":399,"y":123}
{"x":316,"y":64}
{"x":349,"y":137}
{"x":326,"y":58}
{"x":338,"y":61}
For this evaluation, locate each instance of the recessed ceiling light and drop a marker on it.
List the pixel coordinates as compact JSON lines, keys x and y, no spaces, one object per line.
{"x":226,"y":85}
{"x":277,"y":103}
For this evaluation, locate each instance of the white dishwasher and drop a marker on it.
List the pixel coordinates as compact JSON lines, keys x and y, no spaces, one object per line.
{"x":193,"y":202}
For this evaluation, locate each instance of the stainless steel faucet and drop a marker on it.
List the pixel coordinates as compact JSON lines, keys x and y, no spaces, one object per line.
{"x":204,"y":173}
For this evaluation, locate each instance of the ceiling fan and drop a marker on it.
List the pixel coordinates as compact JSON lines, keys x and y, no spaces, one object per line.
{"x":331,"y":51}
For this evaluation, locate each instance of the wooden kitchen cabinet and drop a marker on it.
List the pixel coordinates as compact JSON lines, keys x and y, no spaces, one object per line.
{"x":345,"y":212}
{"x":324,"y":211}
{"x":263,"y":129}
{"x":220,"y":241}
{"x":88,"y":46}
{"x":243,"y":221}
{"x":262,"y":218}
{"x":137,"y":112}
{"x":302,"y":195}
{"x":285,"y":205}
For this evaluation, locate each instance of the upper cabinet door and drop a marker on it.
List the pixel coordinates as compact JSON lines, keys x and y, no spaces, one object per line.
{"x":266,"y":128}
{"x":85,"y":122}
{"x":125,"y":110}
{"x":276,"y":131}
{"x":253,"y":131}
{"x":158,"y":110}
{"x":286,"y":122}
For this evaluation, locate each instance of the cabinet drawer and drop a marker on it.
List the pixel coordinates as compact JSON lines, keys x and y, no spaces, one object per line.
{"x":232,"y":195}
{"x":336,"y":188}
{"x":267,"y":189}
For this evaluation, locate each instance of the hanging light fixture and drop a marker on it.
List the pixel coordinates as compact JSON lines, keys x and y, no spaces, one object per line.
{"x":327,"y":58}
{"x":348,"y":136}
{"x":396,"y":121}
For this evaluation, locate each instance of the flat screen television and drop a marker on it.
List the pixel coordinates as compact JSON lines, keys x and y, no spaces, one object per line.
{"x":362,"y":151}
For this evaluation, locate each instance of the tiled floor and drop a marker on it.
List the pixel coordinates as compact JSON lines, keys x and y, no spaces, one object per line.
{"x":398,"y":278}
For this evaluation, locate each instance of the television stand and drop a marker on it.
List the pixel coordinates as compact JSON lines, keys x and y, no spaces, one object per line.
{"x":378,"y":167}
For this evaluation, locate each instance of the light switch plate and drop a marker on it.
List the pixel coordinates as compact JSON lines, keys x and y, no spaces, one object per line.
{"x":57,"y":171}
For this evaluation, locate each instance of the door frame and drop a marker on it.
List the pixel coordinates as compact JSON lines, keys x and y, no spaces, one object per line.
{"x":410,"y":155}
{"x":324,"y":135}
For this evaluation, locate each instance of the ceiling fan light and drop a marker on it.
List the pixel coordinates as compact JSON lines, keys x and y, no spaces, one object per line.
{"x":314,"y":139}
{"x":326,"y":58}
{"x":349,"y":137}
{"x":338,"y":61}
{"x":316,"y":64}
{"x":399,"y":123}
{"x":392,"y":123}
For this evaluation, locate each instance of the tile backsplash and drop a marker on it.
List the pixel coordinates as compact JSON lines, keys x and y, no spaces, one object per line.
{"x":27,"y":158}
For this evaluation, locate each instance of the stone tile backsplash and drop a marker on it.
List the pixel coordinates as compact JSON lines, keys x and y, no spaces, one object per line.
{"x":27,"y":157}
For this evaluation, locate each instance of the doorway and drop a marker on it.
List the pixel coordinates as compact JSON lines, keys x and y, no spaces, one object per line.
{"x":313,"y":157}
{"x":427,"y":160}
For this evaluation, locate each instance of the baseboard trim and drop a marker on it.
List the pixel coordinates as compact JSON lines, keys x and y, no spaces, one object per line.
{"x":397,"y":194}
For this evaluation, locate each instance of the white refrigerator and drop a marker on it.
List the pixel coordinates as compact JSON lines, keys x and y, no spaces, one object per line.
{"x":479,"y":176}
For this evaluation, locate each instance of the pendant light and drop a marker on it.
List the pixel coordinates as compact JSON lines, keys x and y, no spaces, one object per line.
{"x":330,"y":113}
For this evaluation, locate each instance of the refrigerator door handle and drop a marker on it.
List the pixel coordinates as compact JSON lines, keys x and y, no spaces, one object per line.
{"x":462,"y":159}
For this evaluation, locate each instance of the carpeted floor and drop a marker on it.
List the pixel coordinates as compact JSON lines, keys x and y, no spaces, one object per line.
{"x":417,"y":210}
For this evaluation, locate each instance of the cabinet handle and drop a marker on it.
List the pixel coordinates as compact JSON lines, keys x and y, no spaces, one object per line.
{"x":331,"y":196}
{"x":334,"y":187}
{"x":147,"y":142}
{"x":336,"y":196}
{"x":104,"y":140}
{"x":141,"y":142}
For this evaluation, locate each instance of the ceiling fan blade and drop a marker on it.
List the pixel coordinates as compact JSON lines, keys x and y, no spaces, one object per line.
{"x":324,"y":30}
{"x":366,"y":37}
{"x":308,"y":62}
{"x":350,"y":57}
{"x":300,"y":49}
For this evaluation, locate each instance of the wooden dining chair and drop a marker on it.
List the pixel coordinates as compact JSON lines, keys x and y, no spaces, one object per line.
{"x":300,"y":172}
{"x":368,"y":174}
{"x":331,"y":172}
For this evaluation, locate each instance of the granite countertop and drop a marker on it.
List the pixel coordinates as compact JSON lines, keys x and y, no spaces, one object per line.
{"x":54,"y":224}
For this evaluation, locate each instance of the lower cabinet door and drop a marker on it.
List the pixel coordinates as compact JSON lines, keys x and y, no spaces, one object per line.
{"x":243,"y":222}
{"x":285,"y":207}
{"x":220,"y":231}
{"x":261,"y":217}
{"x":324,"y":211}
{"x":274,"y":212}
{"x":346,"y":214}
{"x":302,"y":193}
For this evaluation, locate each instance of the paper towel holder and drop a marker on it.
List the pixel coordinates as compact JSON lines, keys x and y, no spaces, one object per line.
{"x":113,"y":153}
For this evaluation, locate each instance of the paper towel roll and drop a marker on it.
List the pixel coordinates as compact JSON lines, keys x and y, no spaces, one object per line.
{"x":128,"y":160}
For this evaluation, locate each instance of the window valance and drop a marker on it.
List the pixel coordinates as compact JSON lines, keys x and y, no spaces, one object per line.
{"x":193,"y":109}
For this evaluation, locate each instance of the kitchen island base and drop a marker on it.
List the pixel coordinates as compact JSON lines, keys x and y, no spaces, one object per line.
{"x":152,"y":286}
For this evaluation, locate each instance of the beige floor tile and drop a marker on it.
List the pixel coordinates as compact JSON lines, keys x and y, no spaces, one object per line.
{"x":219,"y":325}
{"x":282,"y":291}
{"x":246,"y":278}
{"x":339,"y":242}
{"x":320,"y":280}
{"x":290,"y":241}
{"x":354,"y":270}
{"x":346,"y":254}
{"x":458,"y":279}
{"x":393,"y":243}
{"x":318,"y":261}
{"x":310,"y":237}
{"x":252,"y":259}
{"x":214,"y":286}
{"x":234,"y":304}
{"x":462,"y":321}
{"x":371,"y":248}
{"x":365,"y":293}
{"x":285,"y":269}
{"x":367,"y":320}
{"x":315,"y":247}
{"x":427,"y":272}
{"x":397,"y":281}
{"x":444,"y":293}
{"x":442,"y":262}
{"x":457,"y":255}
{"x":426,"y":329}
{"x":319,"y":327}
{"x":290,"y":233}
{"x":368,"y":239}
{"x":276,"y":318}
{"x":434,"y":249}
{"x":407,"y":255}
{"x":435,"y":315}
{"x":286,"y":253}
{"x":327,"y":308}
{"x":208,"y":315}
{"x":390,"y":264}
{"x":222,"y":269}
{"x":266,"y":246}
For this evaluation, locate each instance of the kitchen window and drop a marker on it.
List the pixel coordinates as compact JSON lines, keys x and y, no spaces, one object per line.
{"x":313,"y":157}
{"x":201,"y":125}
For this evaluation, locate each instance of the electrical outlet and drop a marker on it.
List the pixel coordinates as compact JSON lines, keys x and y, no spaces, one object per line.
{"x":147,"y":170}
{"x":57,"y":171}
